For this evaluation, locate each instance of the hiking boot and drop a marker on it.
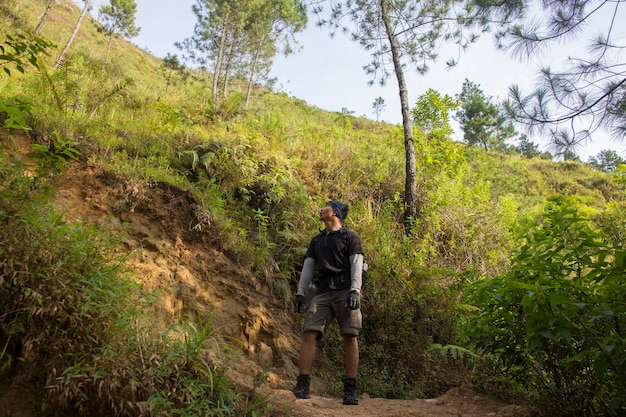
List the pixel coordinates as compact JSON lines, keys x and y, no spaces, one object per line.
{"x":350,"y":392}
{"x":301,"y":391}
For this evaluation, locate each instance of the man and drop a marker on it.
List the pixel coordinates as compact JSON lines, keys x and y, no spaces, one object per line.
{"x":337,"y":254}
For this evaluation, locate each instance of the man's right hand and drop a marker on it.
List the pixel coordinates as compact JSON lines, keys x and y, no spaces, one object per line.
{"x":299,"y":303}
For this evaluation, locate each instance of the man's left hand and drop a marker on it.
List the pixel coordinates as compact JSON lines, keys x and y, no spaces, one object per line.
{"x":354,"y":302}
{"x":300,"y":301}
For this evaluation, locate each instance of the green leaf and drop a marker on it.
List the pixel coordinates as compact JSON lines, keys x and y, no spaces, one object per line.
{"x":566,"y":333}
{"x":559,"y":299}
{"x":15,"y":115}
{"x":38,"y":148}
{"x":600,"y":365}
{"x":619,"y":259}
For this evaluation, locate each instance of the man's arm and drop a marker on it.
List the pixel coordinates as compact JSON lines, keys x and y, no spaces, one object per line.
{"x":308,"y":270}
{"x":356,"y":272}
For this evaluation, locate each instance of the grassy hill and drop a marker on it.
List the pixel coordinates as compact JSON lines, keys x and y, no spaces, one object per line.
{"x":239,"y":189}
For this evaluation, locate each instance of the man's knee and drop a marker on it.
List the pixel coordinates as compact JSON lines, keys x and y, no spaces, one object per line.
{"x":310,"y":336}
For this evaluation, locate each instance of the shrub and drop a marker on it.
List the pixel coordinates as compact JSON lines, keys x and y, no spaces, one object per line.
{"x":554,"y":324}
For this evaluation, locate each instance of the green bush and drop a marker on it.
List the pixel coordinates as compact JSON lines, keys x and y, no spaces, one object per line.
{"x":554,"y":324}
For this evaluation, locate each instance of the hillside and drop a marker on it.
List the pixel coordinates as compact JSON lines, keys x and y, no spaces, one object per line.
{"x":165,"y":285}
{"x":195,"y":277}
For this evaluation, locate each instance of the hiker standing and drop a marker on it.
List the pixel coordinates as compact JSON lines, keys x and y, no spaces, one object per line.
{"x":337,"y":254}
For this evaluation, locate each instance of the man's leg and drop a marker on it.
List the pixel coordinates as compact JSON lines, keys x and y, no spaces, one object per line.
{"x":351,"y":358}
{"x":307,"y":354}
{"x":351,"y":355}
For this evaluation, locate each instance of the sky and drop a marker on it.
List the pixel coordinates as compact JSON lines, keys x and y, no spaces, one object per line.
{"x":327,"y":72}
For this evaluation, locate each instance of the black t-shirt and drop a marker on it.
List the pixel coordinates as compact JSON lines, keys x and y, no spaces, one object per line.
{"x":331,"y":251}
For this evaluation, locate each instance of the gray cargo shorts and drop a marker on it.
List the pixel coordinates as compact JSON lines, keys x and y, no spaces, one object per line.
{"x":332,"y":305}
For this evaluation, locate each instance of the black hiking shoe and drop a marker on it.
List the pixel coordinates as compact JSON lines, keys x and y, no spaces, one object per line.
{"x":301,"y":391}
{"x":350,"y":392}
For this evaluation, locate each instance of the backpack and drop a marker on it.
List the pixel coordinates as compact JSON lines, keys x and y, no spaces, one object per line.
{"x":364,"y":273}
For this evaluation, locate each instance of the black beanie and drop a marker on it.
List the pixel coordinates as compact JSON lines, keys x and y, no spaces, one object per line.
{"x":340,"y":209}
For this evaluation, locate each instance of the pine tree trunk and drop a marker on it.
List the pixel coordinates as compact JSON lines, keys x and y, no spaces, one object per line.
{"x":111,"y":35}
{"x":255,"y":63}
{"x":218,"y":67}
{"x":44,"y":16}
{"x":227,"y":68}
{"x":73,"y":35}
{"x":410,"y":186}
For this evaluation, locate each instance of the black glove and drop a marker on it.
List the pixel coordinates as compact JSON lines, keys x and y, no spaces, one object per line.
{"x":354,"y":302}
{"x":299,"y":303}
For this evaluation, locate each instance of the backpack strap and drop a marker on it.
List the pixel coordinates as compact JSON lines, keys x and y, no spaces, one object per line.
{"x":316,"y":238}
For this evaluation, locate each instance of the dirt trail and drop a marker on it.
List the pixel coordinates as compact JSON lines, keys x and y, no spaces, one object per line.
{"x":168,"y":252}
{"x":455,"y":403}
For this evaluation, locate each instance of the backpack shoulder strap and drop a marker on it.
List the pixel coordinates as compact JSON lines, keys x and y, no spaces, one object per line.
{"x":346,"y":233}
{"x":317,"y":237}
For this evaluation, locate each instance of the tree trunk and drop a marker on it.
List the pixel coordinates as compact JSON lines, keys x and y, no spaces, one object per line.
{"x":44,"y":16}
{"x":218,"y":66}
{"x":111,"y":35}
{"x":410,"y":185}
{"x":106,"y":58}
{"x":255,"y":62}
{"x":73,"y":35}
{"x":228,"y":63}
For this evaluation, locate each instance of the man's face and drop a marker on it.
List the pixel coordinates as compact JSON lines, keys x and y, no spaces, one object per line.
{"x":326,"y":213}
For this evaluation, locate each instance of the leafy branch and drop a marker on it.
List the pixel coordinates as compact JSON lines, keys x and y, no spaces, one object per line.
{"x":21,"y":50}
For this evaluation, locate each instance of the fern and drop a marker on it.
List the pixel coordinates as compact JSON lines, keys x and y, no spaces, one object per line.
{"x":456,"y":352}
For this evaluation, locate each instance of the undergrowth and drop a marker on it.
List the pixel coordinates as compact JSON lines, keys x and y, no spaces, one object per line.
{"x":69,"y":306}
{"x":551,"y":328}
